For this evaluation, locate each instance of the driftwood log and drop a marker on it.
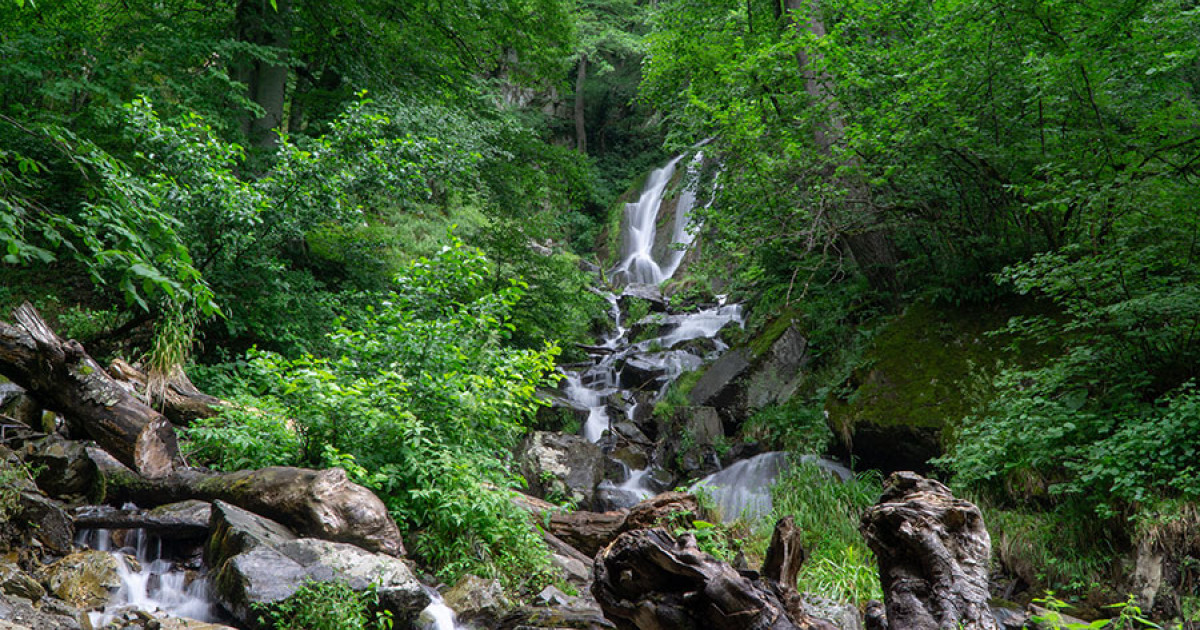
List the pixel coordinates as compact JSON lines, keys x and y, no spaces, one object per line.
{"x":321,"y":504}
{"x":64,"y":378}
{"x":649,"y":580}
{"x":933,"y":552}
{"x":590,"y":531}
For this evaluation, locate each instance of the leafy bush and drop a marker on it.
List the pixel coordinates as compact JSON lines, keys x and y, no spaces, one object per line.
{"x":423,"y":402}
{"x":243,"y":437}
{"x":325,"y":606}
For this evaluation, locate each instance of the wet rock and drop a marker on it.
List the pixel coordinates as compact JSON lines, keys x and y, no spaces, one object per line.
{"x":17,"y":613}
{"x":184,"y":520}
{"x":660,"y":479}
{"x":257,"y":561}
{"x":85,"y":579}
{"x":692,"y":436}
{"x":718,"y":386}
{"x":632,"y":457}
{"x":47,"y":522}
{"x":933,"y":552}
{"x":15,"y":582}
{"x":647,"y":293}
{"x":560,"y":412}
{"x":640,"y":373}
{"x":559,"y":466}
{"x":630,"y":432}
{"x":477,"y":601}
{"x":64,"y":468}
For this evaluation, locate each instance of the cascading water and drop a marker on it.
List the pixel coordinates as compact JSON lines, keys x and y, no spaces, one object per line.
{"x":151,"y":582}
{"x":646,"y":261}
{"x":743,"y":489}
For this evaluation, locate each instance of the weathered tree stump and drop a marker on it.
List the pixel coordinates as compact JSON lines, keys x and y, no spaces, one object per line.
{"x":649,"y":580}
{"x":64,"y":378}
{"x":933,"y":552}
{"x":177,"y":398}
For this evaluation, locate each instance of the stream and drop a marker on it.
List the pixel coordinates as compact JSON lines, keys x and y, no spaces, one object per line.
{"x":633,"y":366}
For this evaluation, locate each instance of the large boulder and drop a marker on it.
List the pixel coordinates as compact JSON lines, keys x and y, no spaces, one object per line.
{"x":85,"y":579}
{"x":923,"y":372}
{"x":561,"y":467}
{"x":767,"y":371}
{"x":256,"y":561}
{"x":693,"y":436}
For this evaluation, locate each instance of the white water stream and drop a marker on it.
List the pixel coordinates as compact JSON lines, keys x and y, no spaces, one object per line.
{"x":151,"y":582}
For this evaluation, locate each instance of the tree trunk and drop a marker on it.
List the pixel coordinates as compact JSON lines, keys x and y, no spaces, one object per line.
{"x":62,"y":377}
{"x":580,"y":126}
{"x":860,"y":222}
{"x":257,"y":22}
{"x":649,"y":580}
{"x":321,"y":504}
{"x":933,"y":552}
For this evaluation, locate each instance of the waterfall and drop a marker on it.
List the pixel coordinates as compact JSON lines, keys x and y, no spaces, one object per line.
{"x":663,"y":355}
{"x":152,"y":582}
{"x":640,"y":226}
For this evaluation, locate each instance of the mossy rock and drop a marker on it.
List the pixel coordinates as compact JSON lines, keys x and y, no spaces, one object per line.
{"x":923,"y":372}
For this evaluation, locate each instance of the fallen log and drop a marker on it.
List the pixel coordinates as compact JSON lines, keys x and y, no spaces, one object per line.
{"x":62,"y":377}
{"x":321,"y":504}
{"x":178,"y":399}
{"x":933,"y":552}
{"x":649,"y":580}
{"x":590,"y":531}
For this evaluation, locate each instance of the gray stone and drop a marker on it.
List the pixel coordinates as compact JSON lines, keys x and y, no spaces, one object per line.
{"x":477,"y":601}
{"x":20,"y":614}
{"x":561,"y":467}
{"x":398,"y":589}
{"x":14,"y":581}
{"x":47,"y":521}
{"x":576,"y":571}
{"x":257,"y":561}
{"x":64,"y":468}
{"x":717,"y":387}
{"x":639,"y":373}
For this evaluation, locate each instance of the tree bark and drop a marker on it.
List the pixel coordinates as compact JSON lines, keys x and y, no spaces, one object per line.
{"x":649,"y":580}
{"x":62,"y":377}
{"x":256,"y":22}
{"x":933,"y":552}
{"x":580,"y":126}
{"x":318,"y":503}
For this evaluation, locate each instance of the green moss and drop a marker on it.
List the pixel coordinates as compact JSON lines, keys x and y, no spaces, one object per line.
{"x":771,"y":332}
{"x":928,"y":367}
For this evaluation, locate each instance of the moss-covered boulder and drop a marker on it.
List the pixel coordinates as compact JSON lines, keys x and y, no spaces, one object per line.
{"x":85,"y":580}
{"x":922,"y":373}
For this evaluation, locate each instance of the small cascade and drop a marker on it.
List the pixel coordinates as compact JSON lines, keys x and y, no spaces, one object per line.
{"x":654,"y":361}
{"x":743,"y":489}
{"x":437,"y":615}
{"x":151,"y":582}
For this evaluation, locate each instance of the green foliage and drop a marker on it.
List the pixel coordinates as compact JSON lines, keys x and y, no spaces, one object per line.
{"x":243,"y":437}
{"x":423,"y":402}
{"x":840,"y":565}
{"x":13,"y":475}
{"x":325,"y":606}
{"x":796,"y":426}
{"x":1129,"y":616}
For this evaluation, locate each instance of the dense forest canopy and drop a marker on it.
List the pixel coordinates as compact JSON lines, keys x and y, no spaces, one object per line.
{"x":377,"y":224}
